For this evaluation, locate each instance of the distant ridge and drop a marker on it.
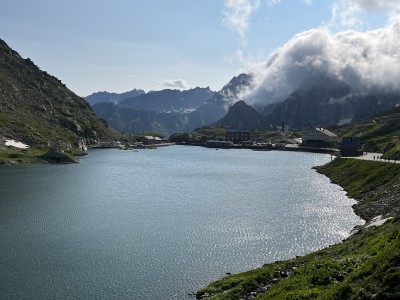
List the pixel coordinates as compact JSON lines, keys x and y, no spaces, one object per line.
{"x":112,"y":97}
{"x":169,"y":101}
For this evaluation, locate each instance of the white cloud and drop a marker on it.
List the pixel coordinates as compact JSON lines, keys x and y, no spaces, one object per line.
{"x":351,"y":13}
{"x":176,"y":83}
{"x":273,"y":2}
{"x":237,"y":14}
{"x":365,"y":60}
{"x":374,"y":5}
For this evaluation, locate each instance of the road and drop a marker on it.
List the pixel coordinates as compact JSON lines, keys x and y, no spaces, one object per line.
{"x":375,"y":156}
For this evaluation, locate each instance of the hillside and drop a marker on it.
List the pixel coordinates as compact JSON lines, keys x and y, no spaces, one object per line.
{"x":365,"y":266}
{"x":38,"y":110}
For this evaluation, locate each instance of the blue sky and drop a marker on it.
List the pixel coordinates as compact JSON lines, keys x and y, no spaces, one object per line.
{"x":150,"y":44}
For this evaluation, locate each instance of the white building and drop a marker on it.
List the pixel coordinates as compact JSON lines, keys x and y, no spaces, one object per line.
{"x":114,"y":144}
{"x":320,"y":137}
{"x":153,"y":140}
{"x":149,"y":140}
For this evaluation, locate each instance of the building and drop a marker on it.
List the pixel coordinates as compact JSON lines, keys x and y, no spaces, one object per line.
{"x":114,"y":144}
{"x":159,"y":140}
{"x":320,"y":137}
{"x":153,"y":140}
{"x":351,"y":146}
{"x":149,"y":140}
{"x":219,"y":144}
{"x":239,"y":136}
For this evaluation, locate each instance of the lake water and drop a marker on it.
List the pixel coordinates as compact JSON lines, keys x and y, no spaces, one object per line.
{"x":158,"y":224}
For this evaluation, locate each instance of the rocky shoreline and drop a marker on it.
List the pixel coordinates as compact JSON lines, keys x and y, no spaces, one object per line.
{"x":378,"y":200}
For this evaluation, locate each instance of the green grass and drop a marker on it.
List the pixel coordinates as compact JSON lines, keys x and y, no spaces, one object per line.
{"x":209,"y":133}
{"x":11,"y":155}
{"x":365,"y":266}
{"x":360,"y":177}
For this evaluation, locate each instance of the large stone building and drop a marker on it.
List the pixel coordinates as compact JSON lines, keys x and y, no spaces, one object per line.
{"x":351,"y":146}
{"x":153,"y":140}
{"x":239,"y":136}
{"x":320,"y":137}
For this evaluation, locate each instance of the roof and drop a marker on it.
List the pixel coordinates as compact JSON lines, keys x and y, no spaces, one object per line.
{"x":238,"y":131}
{"x":326,"y":132}
{"x":149,"y":137}
{"x":351,"y":141}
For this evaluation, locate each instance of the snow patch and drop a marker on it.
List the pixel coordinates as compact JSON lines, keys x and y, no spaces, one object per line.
{"x":13,"y":143}
{"x":377,"y":221}
{"x":344,"y":121}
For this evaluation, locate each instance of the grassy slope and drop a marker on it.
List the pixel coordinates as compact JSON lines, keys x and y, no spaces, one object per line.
{"x":365,"y":266}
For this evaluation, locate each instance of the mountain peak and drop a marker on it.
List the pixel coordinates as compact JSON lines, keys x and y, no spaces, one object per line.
{"x":243,"y":117}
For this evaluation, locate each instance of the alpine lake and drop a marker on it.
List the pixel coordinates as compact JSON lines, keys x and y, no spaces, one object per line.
{"x":159,"y":224}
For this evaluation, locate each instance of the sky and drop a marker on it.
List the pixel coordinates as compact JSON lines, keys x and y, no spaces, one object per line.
{"x":120,"y":45}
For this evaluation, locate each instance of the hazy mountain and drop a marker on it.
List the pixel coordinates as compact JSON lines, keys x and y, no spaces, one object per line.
{"x":243,"y":117}
{"x":170,"y":111}
{"x":112,"y":97}
{"x":327,"y":102}
{"x":125,"y":119}
{"x":169,"y":101}
{"x":218,"y":105}
{"x":130,"y":120}
{"x":40,"y":111}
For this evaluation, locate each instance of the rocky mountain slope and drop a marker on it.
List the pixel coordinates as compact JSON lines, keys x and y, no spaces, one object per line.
{"x":326,"y":102}
{"x":169,"y":101}
{"x":243,"y":117}
{"x":133,"y":121}
{"x":38,"y":110}
{"x":219,"y":104}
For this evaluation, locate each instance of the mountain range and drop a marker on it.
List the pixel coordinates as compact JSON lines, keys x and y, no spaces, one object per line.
{"x":112,"y":97}
{"x":169,"y":101}
{"x":318,"y":102}
{"x":170,"y":111}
